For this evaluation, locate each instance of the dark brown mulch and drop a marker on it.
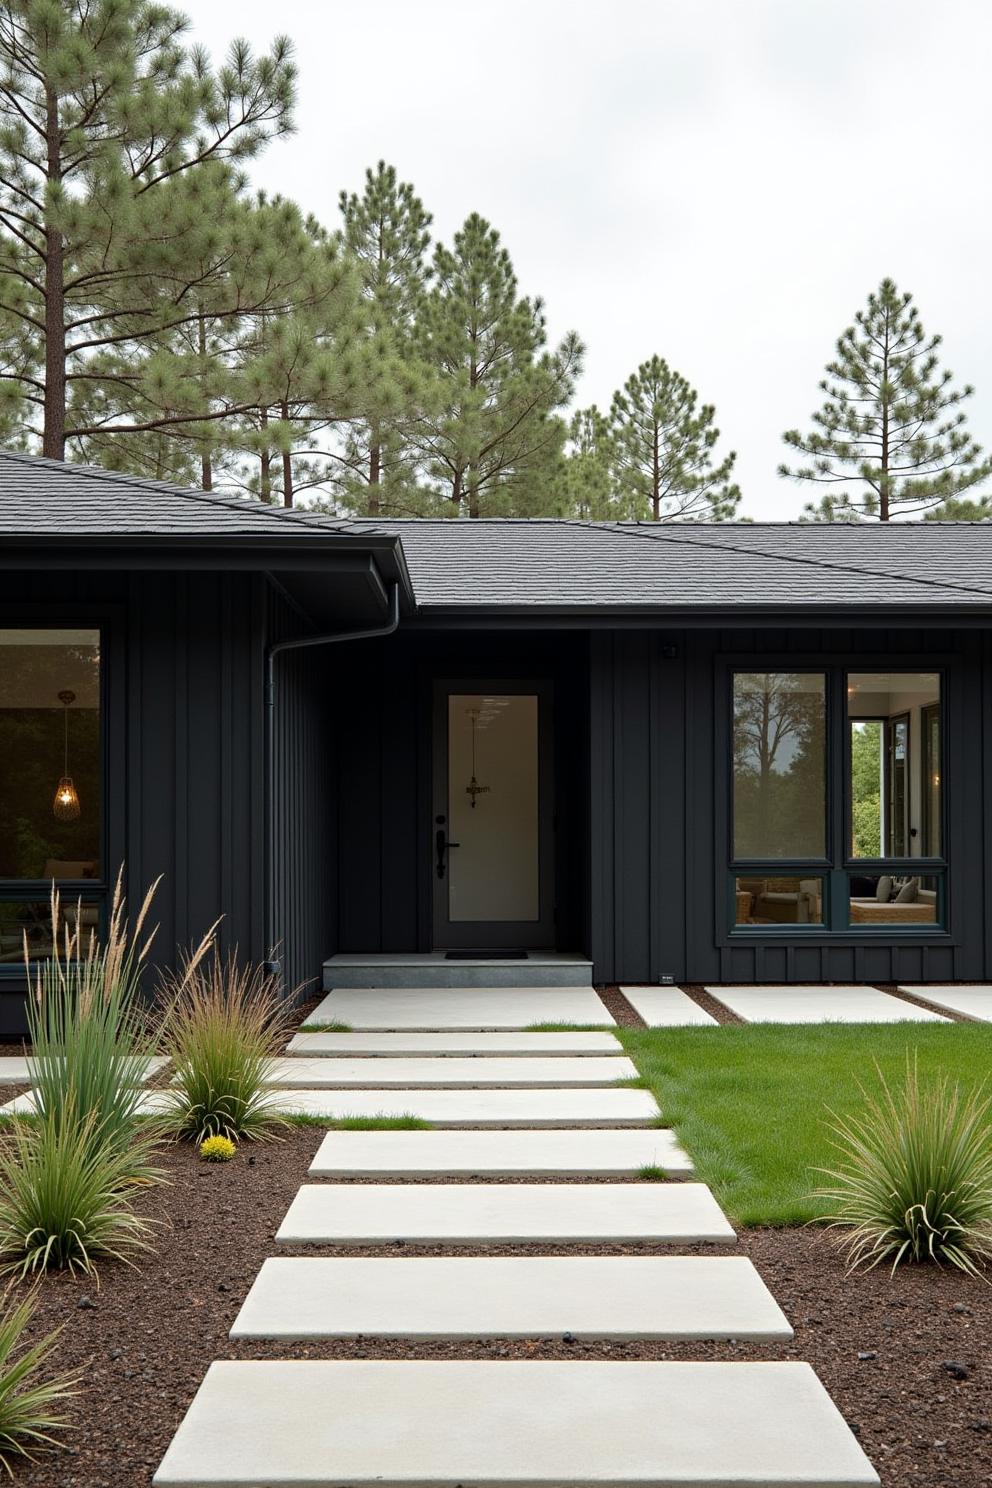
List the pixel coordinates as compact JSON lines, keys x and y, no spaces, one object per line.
{"x":152,"y":1332}
{"x":619,"y":1008}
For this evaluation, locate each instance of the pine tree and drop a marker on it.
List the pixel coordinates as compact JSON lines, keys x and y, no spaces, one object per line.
{"x":961,"y":509}
{"x":890,"y":439}
{"x":387,"y":231}
{"x":493,"y":447}
{"x":119,"y":154}
{"x":585,"y":486}
{"x":663,"y":449}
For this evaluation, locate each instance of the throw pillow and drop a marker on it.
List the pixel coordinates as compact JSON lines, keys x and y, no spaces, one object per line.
{"x":908,"y":892}
{"x":883,"y":889}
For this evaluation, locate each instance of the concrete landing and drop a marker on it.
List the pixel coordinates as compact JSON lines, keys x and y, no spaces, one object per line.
{"x":434,"y":969}
{"x":503,"y":1214}
{"x":957,"y":997}
{"x":455,"y":1008}
{"x":797,"y":1004}
{"x":627,"y":1297}
{"x":666,"y":1007}
{"x":460,"y":1045}
{"x":449,"y":1073}
{"x":587,"y":1153}
{"x":535,"y":1424}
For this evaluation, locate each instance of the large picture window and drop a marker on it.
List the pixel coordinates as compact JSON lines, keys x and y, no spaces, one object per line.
{"x":836,"y":817}
{"x":51,"y":810}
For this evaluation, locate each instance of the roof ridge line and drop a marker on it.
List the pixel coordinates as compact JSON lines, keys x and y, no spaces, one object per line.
{"x":665,"y":533}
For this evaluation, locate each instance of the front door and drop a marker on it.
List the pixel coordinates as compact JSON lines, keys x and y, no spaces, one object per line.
{"x":493,"y":818}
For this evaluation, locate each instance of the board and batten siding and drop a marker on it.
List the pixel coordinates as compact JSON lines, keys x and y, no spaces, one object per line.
{"x":658,"y":861}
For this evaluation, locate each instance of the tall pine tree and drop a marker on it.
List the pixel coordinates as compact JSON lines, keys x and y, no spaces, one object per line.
{"x":119,"y":151}
{"x":890,"y":440}
{"x":493,"y":446}
{"x":663,"y":444}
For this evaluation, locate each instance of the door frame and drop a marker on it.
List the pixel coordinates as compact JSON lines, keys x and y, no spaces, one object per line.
{"x":484,"y":935}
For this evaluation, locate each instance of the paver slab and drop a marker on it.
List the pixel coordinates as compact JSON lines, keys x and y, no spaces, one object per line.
{"x":588,"y":1152}
{"x":502,"y":1213}
{"x":591,"y":1107}
{"x":533,"y":1424}
{"x":666,"y":1007}
{"x":459,"y":1007}
{"x":973,"y":1001}
{"x":447,"y":1073}
{"x":623,"y":1297}
{"x":16,"y":1069}
{"x":853,"y":1004}
{"x":518,"y":1044}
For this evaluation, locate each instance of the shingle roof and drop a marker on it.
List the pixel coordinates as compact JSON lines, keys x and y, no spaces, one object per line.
{"x":545,"y":564}
{"x":46,"y":497}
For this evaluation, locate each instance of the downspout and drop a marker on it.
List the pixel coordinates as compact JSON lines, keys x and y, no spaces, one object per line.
{"x":273,"y":966}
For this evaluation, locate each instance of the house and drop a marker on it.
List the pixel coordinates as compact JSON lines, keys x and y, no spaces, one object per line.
{"x":641,"y":753}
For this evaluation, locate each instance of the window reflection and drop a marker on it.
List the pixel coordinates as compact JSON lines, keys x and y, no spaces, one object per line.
{"x":779,"y":753}
{"x":894,"y":720}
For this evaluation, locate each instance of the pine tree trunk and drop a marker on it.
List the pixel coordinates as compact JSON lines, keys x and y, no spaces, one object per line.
{"x":265,"y":460}
{"x":375,"y":472}
{"x":53,"y":436}
{"x":883,"y":494}
{"x":456,"y":494}
{"x":473,"y":496}
{"x":287,"y":465}
{"x":206,"y":461}
{"x":206,"y":471}
{"x":655,"y":479}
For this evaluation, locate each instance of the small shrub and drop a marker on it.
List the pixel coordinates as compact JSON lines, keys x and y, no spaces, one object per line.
{"x":217,"y":1149}
{"x":914,"y":1182}
{"x":65,"y":1197}
{"x":222,"y":1024}
{"x":29,"y":1408}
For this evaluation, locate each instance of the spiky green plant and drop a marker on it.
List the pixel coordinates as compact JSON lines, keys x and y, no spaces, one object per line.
{"x":223,"y":1023}
{"x":29,"y":1407}
{"x":914,"y":1180}
{"x":66,"y":1194}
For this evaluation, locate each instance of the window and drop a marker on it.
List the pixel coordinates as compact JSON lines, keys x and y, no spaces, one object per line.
{"x":836,"y":812}
{"x":51,"y":809}
{"x":779,"y":758}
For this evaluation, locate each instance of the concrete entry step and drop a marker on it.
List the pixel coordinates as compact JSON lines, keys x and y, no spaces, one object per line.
{"x":433,"y":969}
{"x":463,"y":1007}
{"x":458,"y":1045}
{"x":625,"y":1297}
{"x":796,"y":1004}
{"x":449,"y":1074}
{"x":483,"y":1423}
{"x":667,"y":1007}
{"x":973,"y":1000}
{"x":585,"y":1153}
{"x":503,"y":1214}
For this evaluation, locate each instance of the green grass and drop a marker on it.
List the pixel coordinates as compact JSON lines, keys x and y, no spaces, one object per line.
{"x":570,"y":1028}
{"x":333,"y":1027}
{"x":750,"y":1104}
{"x":361,"y":1123}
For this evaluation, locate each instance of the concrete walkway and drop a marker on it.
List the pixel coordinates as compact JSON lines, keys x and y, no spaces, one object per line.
{"x":377,"y":1423}
{"x":795,"y":1004}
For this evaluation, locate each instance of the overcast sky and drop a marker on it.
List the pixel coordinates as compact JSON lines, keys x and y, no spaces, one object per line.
{"x":718,"y":181}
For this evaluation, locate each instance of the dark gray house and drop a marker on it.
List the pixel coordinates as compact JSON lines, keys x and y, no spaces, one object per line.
{"x":737,"y":753}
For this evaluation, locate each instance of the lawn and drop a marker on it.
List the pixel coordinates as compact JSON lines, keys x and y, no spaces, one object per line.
{"x":751,"y":1105}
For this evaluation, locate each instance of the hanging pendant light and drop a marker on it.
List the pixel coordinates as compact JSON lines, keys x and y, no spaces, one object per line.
{"x":66,"y":804}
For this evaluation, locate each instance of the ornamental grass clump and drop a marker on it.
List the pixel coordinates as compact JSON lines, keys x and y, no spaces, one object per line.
{"x":66,"y":1194}
{"x":30,"y":1408}
{"x":914,"y":1178}
{"x":223,"y":1023}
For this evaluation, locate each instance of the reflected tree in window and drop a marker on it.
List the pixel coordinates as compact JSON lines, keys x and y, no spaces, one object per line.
{"x":779,"y":782}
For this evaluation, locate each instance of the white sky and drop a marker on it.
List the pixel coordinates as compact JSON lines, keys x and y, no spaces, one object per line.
{"x":718,"y":181}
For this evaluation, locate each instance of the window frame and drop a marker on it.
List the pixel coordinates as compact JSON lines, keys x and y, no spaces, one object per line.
{"x":112,"y":764}
{"x":837,"y":868}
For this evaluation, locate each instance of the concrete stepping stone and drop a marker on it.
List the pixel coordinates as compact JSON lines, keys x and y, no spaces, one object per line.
{"x":463,"y":1045}
{"x":449,"y":1073}
{"x":15,"y":1069}
{"x":666,"y":1007}
{"x":592,"y":1107}
{"x":531,"y":1424}
{"x":459,"y":1007}
{"x":625,"y":1297}
{"x":972,"y":1001}
{"x":590,"y":1152}
{"x":502,"y":1214}
{"x":819,"y":1005}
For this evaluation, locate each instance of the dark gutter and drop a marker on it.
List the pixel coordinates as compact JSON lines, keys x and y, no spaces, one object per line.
{"x":273,"y":966}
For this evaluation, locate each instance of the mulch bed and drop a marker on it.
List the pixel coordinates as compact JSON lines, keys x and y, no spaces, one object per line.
{"x":880,"y":1346}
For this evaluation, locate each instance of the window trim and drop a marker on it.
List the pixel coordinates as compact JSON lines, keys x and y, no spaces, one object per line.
{"x":836,"y":928}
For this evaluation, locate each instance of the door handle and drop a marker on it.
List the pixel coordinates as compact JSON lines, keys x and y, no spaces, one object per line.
{"x":441,"y":845}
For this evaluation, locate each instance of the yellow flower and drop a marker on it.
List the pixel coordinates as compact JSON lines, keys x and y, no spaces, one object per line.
{"x":217,"y":1149}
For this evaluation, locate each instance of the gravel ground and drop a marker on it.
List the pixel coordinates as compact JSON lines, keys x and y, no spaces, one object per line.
{"x":881,"y":1346}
